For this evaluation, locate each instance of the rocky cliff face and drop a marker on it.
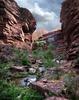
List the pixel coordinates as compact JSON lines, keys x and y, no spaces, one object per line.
{"x":70,"y":28}
{"x":38,"y":33}
{"x":15,"y":23}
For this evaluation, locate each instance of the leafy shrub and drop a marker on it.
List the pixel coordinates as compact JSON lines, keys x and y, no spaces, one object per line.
{"x":47,"y":56}
{"x":72,"y":86}
{"x":4,"y":70}
{"x":40,"y":43}
{"x":21,"y":57}
{"x":11,"y":92}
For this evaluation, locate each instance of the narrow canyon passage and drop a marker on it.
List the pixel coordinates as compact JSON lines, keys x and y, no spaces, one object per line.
{"x":39,"y":50}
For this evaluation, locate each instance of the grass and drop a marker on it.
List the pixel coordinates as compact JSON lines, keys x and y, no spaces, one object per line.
{"x":21,"y":57}
{"x":8,"y":91}
{"x":20,"y":74}
{"x":11,"y":92}
{"x":72,"y":86}
{"x":47,"y":56}
{"x":4,"y":70}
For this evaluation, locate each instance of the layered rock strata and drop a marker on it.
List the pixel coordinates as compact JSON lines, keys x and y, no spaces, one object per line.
{"x":54,"y":38}
{"x":15,"y":23}
{"x":70,"y":28}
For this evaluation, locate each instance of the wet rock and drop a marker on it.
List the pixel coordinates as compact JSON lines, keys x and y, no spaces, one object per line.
{"x":28,"y":80}
{"x":56,"y":98}
{"x":57,"y":61}
{"x":32,"y":70}
{"x":41,"y":69}
{"x":45,"y":87}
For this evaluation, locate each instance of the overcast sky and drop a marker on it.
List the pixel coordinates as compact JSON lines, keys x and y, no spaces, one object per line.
{"x":46,"y":12}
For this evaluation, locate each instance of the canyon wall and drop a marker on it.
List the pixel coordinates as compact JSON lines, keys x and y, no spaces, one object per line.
{"x":15,"y":23}
{"x":70,"y":28}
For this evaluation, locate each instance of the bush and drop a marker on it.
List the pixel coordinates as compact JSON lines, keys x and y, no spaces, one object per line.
{"x":4,"y":69}
{"x":21,"y":57}
{"x":72,"y":86}
{"x":11,"y":92}
{"x":47,"y":56}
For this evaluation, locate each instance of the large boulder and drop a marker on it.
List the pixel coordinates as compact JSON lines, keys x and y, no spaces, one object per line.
{"x":49,"y":86}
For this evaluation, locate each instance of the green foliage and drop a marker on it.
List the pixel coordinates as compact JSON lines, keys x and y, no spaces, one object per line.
{"x":72,"y":86}
{"x":11,"y":92}
{"x":4,"y":70}
{"x":20,"y":75}
{"x":21,"y":57}
{"x":25,"y":61}
{"x":40,"y":43}
{"x":47,"y":56}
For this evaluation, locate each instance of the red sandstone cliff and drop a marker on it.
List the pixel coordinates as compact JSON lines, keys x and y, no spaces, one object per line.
{"x":70,"y":27}
{"x":15,"y":23}
{"x":38,"y":33}
{"x":56,"y":39}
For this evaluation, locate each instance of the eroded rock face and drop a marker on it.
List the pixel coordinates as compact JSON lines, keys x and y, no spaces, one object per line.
{"x":46,"y":86}
{"x":56,"y":98}
{"x":15,"y":22}
{"x":70,"y":27}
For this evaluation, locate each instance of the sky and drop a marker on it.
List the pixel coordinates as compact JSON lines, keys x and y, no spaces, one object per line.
{"x":46,"y":12}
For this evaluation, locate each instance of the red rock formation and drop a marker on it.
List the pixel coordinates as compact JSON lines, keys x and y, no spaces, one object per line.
{"x":70,"y":27}
{"x":46,"y":87}
{"x":56,"y":39}
{"x":38,"y":33}
{"x":15,"y":23}
{"x":56,"y":98}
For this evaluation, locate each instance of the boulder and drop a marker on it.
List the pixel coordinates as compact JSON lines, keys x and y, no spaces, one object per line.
{"x":47,"y":86}
{"x":17,"y":69}
{"x":41,"y":69}
{"x":32,"y":70}
{"x":56,"y":98}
